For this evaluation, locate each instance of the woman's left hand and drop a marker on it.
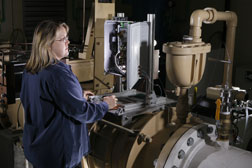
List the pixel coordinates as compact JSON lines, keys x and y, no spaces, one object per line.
{"x":87,"y":93}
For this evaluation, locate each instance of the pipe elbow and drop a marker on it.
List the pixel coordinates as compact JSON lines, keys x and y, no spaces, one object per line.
{"x":197,"y":17}
{"x":232,"y":21}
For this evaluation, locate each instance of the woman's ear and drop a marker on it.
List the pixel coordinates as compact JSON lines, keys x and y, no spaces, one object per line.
{"x":49,"y":47}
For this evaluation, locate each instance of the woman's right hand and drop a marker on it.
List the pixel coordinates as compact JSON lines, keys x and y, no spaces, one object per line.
{"x":111,"y":101}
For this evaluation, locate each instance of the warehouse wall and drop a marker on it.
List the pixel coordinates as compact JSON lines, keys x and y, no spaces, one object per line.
{"x":243,"y":54}
{"x":11,"y":18}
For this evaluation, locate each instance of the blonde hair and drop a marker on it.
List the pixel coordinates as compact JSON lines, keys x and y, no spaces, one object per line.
{"x":43,"y":38}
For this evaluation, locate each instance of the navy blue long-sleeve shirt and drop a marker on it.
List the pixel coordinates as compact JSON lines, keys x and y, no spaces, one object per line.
{"x":55,"y":132}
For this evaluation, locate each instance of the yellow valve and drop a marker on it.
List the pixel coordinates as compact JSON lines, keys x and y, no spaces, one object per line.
{"x":195,"y":95}
{"x":217,"y":113}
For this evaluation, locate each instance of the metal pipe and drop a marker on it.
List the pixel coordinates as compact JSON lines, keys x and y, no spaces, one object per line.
{"x":210,"y":16}
{"x":197,"y":17}
{"x":182,"y":106}
{"x":119,"y":127}
{"x":83,"y":24}
{"x":141,"y":136}
{"x":151,"y":20}
{"x":229,"y":55}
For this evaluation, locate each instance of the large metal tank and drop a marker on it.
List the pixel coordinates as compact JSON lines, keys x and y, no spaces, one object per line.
{"x":113,"y":147}
{"x":198,"y":147}
{"x":189,"y":146}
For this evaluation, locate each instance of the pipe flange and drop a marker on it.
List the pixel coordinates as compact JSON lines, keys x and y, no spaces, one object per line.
{"x":187,"y":145}
{"x":212,"y":16}
{"x":182,"y":49}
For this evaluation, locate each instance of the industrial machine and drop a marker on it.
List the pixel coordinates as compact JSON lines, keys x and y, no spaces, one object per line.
{"x":142,"y":131}
{"x":147,"y":129}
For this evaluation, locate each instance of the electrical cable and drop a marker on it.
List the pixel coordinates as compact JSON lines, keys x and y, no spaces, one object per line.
{"x":162,"y":86}
{"x":160,"y":89}
{"x":18,"y":115}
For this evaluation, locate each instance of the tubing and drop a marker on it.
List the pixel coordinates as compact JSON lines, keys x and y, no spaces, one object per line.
{"x":210,"y":16}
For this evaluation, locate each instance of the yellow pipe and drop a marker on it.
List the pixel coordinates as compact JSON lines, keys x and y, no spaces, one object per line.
{"x":210,"y":16}
{"x":197,"y":17}
{"x":182,"y":106}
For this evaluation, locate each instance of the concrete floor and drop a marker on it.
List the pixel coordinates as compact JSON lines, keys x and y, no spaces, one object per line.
{"x":19,"y":158}
{"x":11,"y":151}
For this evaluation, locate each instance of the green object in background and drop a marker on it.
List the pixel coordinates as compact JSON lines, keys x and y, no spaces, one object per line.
{"x":122,"y":24}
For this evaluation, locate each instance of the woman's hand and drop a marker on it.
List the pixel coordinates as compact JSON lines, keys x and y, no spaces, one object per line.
{"x":111,"y":101}
{"x":87,"y":93}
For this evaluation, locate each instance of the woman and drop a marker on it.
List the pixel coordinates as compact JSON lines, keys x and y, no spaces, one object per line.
{"x":56,"y":111}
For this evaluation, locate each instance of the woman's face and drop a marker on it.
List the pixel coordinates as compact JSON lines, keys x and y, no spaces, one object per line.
{"x":60,"y":44}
